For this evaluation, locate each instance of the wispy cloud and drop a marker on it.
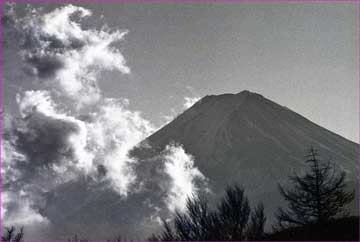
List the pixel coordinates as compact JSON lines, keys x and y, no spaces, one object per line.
{"x":186,"y":179}
{"x":189,"y":101}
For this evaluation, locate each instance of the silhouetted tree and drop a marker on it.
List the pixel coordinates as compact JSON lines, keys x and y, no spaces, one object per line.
{"x":339,"y":229}
{"x":166,"y":235}
{"x":196,"y":223}
{"x":228,"y":222}
{"x":255,"y":230}
{"x":234,"y":211}
{"x":117,"y":238}
{"x":315,"y":197}
{"x":76,"y":238}
{"x":10,"y":235}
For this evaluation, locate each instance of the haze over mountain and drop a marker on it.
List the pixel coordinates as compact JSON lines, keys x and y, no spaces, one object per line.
{"x":243,"y":138}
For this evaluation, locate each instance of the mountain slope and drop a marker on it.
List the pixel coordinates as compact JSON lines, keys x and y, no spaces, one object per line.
{"x":248,"y":139}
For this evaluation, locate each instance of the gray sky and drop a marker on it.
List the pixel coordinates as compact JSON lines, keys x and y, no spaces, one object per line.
{"x":300,"y":55}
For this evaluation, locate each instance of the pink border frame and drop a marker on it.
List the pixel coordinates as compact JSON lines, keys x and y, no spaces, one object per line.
{"x":74,"y":1}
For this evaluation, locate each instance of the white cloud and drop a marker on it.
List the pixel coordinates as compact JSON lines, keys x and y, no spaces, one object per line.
{"x":184,"y":176}
{"x":189,"y":101}
{"x":52,"y":143}
{"x":114,"y":131}
{"x":40,"y":103}
{"x":39,"y":100}
{"x":57,"y":23}
{"x":168,"y":118}
{"x":24,"y":214}
{"x":10,"y":156}
{"x":104,"y":139}
{"x":48,"y":147}
{"x":56,"y":47}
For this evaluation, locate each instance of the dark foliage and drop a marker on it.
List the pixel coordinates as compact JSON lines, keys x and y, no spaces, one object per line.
{"x":315,"y":197}
{"x":230,"y":221}
{"x":117,"y":238}
{"x":257,"y":222}
{"x":342,"y":229}
{"x":76,"y":238}
{"x":10,"y":235}
{"x":234,"y":211}
{"x":197,"y":223}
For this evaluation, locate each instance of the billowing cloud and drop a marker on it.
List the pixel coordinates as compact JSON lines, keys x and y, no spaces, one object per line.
{"x":17,"y":202}
{"x":114,"y":131}
{"x":56,"y":47}
{"x":51,"y":143}
{"x":189,"y":101}
{"x":186,"y":179}
{"x":41,"y":149}
{"x":47,"y":136}
{"x":47,"y":146}
{"x":167,"y":177}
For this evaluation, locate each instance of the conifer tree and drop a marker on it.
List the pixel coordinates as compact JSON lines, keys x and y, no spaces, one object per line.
{"x":315,"y":197}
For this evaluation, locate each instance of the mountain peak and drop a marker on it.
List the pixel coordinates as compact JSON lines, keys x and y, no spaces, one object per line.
{"x":249,"y":93}
{"x":249,"y":139}
{"x":231,"y":101}
{"x":244,"y":92}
